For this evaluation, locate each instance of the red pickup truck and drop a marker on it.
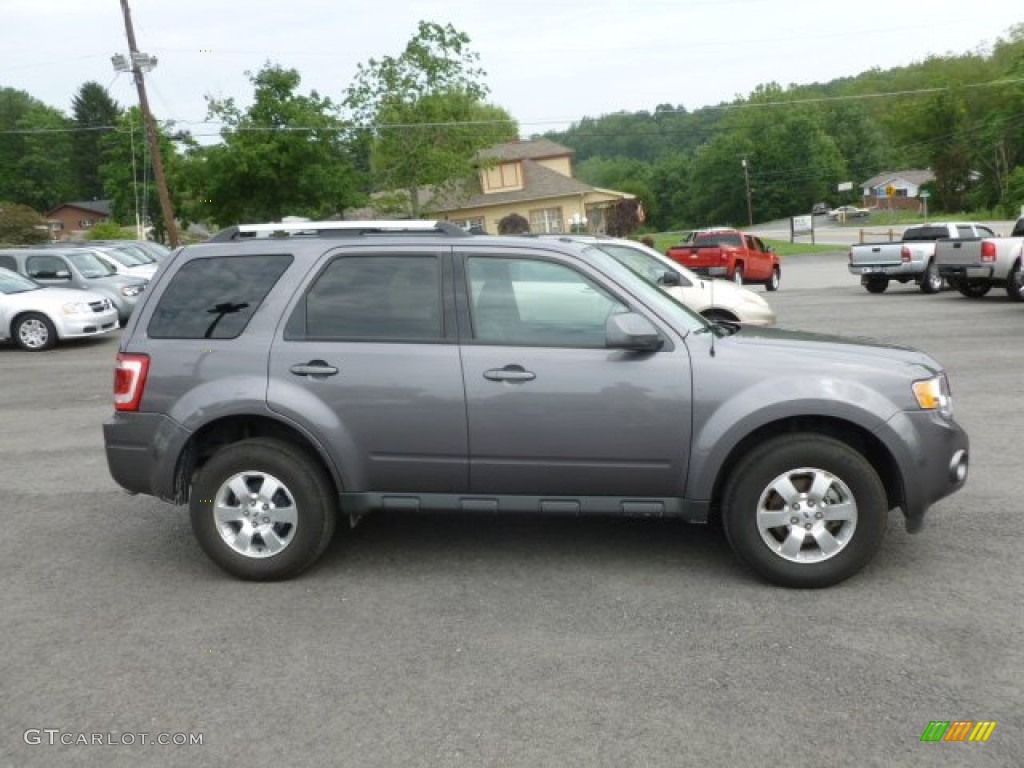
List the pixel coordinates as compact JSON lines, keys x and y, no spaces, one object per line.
{"x":731,"y":254}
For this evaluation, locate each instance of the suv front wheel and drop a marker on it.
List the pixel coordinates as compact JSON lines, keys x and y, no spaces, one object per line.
{"x":804,"y":510}
{"x":263,"y":509}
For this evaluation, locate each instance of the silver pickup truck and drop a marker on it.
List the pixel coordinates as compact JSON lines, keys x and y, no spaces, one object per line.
{"x":912,"y":258}
{"x":974,"y":266}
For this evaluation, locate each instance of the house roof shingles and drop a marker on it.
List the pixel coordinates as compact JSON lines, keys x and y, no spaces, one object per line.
{"x":534,"y":149}
{"x":102,"y":207}
{"x":915,"y":177}
{"x":538,"y":183}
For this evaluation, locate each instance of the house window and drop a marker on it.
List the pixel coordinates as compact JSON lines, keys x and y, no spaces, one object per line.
{"x":503,"y":176}
{"x":85,"y":223}
{"x":544,"y":220}
{"x":475,"y":223}
{"x":56,"y":226}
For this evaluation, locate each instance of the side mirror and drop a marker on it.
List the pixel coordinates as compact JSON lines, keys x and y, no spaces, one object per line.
{"x":669,"y":278}
{"x":631,"y":331}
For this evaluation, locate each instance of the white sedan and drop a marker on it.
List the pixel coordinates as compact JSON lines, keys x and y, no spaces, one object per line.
{"x":844,"y":212}
{"x":713,"y":299}
{"x":36,"y":318}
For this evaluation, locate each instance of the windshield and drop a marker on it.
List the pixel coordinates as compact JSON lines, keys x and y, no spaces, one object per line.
{"x":123,"y":256}
{"x":718,"y":238}
{"x":131,"y":255}
{"x":12,"y":282}
{"x":668,"y":308}
{"x":90,"y":265}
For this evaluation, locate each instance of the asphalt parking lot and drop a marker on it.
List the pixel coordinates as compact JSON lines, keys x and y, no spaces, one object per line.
{"x":452,"y":641}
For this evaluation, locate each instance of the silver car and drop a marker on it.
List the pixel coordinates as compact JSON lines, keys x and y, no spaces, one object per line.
{"x":37,"y":318}
{"x":713,"y":299}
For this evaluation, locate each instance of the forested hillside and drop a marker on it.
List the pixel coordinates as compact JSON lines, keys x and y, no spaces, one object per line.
{"x":962,"y":116}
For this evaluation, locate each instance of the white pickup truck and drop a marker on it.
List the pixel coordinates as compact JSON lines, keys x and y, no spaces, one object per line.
{"x":974,"y":265}
{"x":912,"y":258}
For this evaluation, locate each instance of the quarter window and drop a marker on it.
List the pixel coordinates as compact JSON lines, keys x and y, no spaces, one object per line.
{"x":215,"y":298}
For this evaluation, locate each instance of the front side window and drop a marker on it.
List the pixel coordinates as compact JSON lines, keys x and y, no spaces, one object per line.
{"x":376,"y":297}
{"x":537,"y":303}
{"x":47,"y":268}
{"x":215,"y":298}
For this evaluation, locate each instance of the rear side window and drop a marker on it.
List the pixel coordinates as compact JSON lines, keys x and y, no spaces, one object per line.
{"x":215,"y":298}
{"x":375,"y":297}
{"x":8,"y":262}
{"x":925,"y":234}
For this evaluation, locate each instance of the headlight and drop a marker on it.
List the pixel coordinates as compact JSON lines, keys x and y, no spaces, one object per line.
{"x":131,"y":290}
{"x":76,"y":308}
{"x":934,"y":395}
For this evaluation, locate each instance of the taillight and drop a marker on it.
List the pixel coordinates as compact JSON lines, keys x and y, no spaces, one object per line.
{"x":905,"y":254}
{"x":849,"y":256}
{"x":129,"y":381}
{"x":988,"y":250}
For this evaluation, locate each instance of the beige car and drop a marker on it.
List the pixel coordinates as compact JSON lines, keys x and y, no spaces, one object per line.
{"x":711,"y":298}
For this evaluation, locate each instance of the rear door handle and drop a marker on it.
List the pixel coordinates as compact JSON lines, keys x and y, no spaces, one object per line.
{"x":313,"y":368}
{"x":510,"y":373}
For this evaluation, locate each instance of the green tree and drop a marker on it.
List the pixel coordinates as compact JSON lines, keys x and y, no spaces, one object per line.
{"x":94,"y":113}
{"x":423,"y":114}
{"x":286,"y":154}
{"x":20,"y":225}
{"x":35,"y":151}
{"x":126,"y":172}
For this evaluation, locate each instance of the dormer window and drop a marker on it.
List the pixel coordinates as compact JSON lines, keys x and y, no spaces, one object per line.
{"x":503,"y":177}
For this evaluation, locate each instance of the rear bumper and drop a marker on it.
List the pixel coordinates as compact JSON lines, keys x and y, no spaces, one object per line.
{"x":866,"y":271}
{"x":142,"y":452}
{"x":965,"y":272}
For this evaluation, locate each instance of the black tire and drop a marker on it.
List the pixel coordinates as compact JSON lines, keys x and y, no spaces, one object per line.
{"x":772,"y":283}
{"x":305,"y":495}
{"x":931,"y":280}
{"x":795,"y":554}
{"x":973,"y":290}
{"x":34,"y":332}
{"x":718,"y":315}
{"x":1015,"y":283}
{"x":876,"y":284}
{"x":737,"y":274}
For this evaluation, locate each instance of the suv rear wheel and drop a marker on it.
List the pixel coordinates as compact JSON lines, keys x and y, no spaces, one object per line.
{"x":804,"y":511}
{"x":262,"y":509}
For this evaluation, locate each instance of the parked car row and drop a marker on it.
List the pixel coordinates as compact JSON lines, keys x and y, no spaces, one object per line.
{"x":51,"y":293}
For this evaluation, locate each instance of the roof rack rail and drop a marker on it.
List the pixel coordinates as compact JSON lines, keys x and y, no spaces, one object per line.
{"x":337,"y":229}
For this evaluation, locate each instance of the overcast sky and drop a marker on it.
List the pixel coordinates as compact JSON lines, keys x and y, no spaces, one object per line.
{"x":548,"y":62}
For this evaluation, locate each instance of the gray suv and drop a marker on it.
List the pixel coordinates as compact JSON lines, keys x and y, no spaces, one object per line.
{"x":281,"y":376}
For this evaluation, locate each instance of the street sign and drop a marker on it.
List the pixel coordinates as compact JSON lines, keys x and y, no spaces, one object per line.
{"x":890,"y":190}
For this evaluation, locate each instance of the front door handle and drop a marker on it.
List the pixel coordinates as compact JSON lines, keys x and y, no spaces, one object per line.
{"x":314,"y":368}
{"x":510,"y":373}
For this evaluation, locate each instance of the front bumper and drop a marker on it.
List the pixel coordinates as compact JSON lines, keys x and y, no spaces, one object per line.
{"x":79,"y":326}
{"x":932,"y":454}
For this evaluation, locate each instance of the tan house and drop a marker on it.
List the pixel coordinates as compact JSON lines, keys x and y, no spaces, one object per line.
{"x":531,"y":178}
{"x":71,"y":219}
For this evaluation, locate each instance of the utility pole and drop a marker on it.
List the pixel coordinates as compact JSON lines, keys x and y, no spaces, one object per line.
{"x":746,"y":180}
{"x":137,"y":61}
